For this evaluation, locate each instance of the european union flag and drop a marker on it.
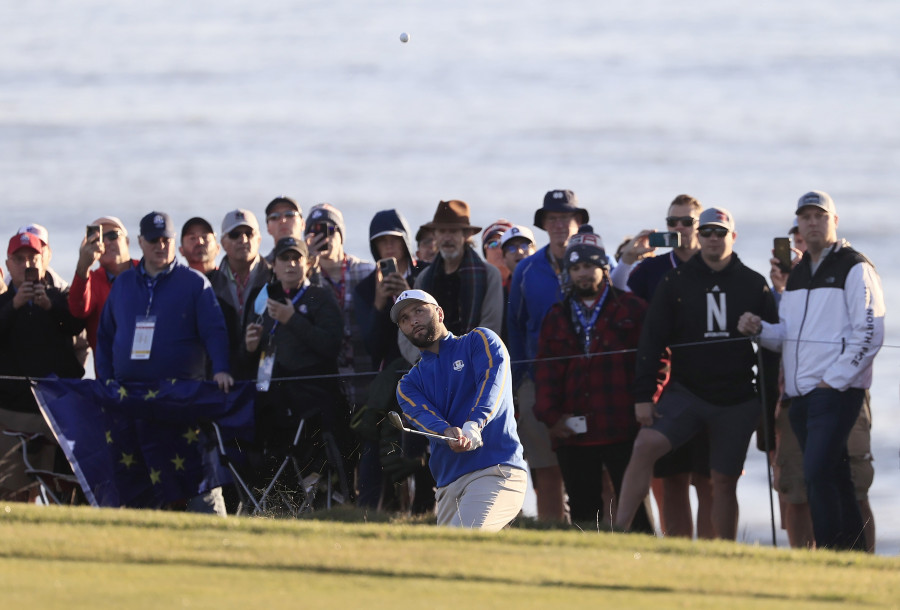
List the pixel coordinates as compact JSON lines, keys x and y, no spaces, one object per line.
{"x":144,"y":445}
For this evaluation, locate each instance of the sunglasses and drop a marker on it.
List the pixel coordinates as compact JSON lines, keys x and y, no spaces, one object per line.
{"x":719,"y":232}
{"x":288,"y":256}
{"x":686,"y":221}
{"x":238,"y":233}
{"x":112,"y":235}
{"x":276,"y":216}
{"x":512,"y":248}
{"x":493,"y":243}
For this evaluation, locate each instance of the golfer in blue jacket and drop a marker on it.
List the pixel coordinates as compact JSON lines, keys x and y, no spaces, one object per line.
{"x":462,"y":389}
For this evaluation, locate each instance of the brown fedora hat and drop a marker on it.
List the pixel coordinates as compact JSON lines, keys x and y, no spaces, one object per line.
{"x":453,"y":214}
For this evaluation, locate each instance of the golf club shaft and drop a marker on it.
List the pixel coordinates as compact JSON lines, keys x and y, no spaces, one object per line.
{"x":394,"y":418}
{"x":429,"y":434}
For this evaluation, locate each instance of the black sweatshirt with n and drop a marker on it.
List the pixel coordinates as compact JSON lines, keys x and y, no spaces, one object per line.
{"x":696,"y":305}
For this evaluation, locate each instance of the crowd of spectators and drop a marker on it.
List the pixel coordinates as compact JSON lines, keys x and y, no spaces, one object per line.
{"x":626,"y":369}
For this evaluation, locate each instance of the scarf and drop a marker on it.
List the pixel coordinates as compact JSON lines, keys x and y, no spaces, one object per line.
{"x":472,"y":275}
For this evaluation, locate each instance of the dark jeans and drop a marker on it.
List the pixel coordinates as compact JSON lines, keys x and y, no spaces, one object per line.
{"x":582,"y":471}
{"x":822,"y":421}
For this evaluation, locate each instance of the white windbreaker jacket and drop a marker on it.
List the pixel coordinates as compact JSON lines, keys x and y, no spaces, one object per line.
{"x":831,"y":323}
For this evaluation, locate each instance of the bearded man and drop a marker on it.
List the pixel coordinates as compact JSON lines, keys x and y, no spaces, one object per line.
{"x":461,"y":389}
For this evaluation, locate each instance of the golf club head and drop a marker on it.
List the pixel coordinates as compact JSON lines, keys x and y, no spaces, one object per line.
{"x":259,"y":305}
{"x":394,"y":419}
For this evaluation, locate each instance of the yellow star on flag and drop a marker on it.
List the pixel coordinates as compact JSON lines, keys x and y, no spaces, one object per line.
{"x":151,"y":394}
{"x":122,"y":392}
{"x":178,"y":461}
{"x":127,"y":459}
{"x":154,"y":476}
{"x":109,"y":437}
{"x":191,"y":435}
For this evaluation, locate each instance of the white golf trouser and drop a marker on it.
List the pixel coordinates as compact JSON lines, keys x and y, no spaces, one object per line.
{"x":486,"y":499}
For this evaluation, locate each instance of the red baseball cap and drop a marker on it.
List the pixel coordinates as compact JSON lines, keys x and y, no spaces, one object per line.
{"x":24,"y":240}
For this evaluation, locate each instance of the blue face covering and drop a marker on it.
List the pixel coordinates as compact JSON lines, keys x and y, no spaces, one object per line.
{"x":259,"y":305}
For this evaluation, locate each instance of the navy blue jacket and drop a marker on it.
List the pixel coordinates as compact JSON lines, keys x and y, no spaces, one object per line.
{"x":189,"y":326}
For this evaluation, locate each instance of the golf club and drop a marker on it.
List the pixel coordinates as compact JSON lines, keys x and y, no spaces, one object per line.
{"x":395,"y":420}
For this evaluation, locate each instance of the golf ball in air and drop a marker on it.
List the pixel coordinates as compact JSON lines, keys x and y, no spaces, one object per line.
{"x":404,"y":37}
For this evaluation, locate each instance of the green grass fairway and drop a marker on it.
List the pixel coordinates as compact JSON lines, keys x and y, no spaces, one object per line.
{"x":89,"y":558}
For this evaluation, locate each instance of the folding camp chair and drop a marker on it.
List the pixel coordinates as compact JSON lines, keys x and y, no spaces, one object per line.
{"x":234,"y":466}
{"x":52,"y":487}
{"x":306,"y":475}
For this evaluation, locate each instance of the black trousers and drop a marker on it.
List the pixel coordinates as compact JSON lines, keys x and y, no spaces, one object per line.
{"x":582,"y":471}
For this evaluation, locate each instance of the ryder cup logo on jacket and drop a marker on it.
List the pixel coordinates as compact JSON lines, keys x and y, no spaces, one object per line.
{"x":458,"y":365}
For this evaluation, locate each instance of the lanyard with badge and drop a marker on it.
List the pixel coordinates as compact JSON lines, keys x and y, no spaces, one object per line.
{"x":588,"y":325}
{"x":267,"y":355}
{"x":562,"y":277}
{"x":144,"y":327}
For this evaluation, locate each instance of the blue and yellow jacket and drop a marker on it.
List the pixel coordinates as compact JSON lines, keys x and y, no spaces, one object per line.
{"x":468,"y":380}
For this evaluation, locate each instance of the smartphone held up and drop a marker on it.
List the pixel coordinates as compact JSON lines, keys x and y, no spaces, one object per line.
{"x":387,"y":266}
{"x":668,"y":239}
{"x":781,"y":249}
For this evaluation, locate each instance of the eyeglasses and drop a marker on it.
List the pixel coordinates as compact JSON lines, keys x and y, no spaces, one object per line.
{"x":520,"y":247}
{"x":238,"y":233}
{"x":686,"y":221}
{"x":719,"y":232}
{"x":112,"y":235}
{"x":276,"y":216}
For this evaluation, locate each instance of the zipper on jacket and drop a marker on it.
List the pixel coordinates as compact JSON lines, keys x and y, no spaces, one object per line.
{"x":805,"y":311}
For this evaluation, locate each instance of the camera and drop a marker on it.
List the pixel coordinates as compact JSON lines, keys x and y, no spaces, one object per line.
{"x":92,"y":231}
{"x":32,"y":274}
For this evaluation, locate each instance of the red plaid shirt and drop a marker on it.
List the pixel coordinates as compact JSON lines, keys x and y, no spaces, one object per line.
{"x":596,"y":386}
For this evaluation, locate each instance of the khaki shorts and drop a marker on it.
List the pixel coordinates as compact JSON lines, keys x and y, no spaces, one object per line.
{"x":788,"y":467}
{"x":533,"y":434}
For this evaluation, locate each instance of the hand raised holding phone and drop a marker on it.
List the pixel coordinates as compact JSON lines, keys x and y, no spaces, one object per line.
{"x":390,"y":283}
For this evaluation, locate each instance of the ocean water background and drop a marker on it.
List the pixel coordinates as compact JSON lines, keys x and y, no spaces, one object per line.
{"x":198,"y":108}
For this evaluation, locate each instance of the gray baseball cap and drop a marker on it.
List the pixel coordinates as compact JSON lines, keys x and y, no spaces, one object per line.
{"x":239,"y":218}
{"x":718,"y":217}
{"x":819,"y":199}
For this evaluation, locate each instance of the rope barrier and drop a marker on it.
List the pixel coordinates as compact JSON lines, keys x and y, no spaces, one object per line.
{"x":532,"y":360}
